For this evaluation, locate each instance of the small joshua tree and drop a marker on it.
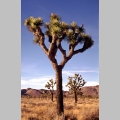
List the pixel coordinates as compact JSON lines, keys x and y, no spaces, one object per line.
{"x":75,"y":84}
{"x":50,"y":85}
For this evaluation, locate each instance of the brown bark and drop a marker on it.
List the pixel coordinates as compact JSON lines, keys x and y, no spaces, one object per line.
{"x":52,"y":96}
{"x":75,"y":93}
{"x":60,"y":109}
{"x":51,"y":52}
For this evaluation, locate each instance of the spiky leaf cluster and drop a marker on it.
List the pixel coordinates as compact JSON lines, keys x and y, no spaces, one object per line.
{"x":72,"y":33}
{"x":55,"y":26}
{"x":77,"y":33}
{"x":36,"y":40}
{"x":75,"y":83}
{"x":32,"y":23}
{"x":50,"y":84}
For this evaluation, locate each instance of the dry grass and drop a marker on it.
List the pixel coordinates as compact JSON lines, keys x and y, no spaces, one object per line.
{"x":42,"y":109}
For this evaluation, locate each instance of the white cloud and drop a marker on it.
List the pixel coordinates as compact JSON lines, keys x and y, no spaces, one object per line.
{"x":68,"y":73}
{"x":39,"y":83}
{"x":92,"y":83}
{"x":71,"y":73}
{"x":23,"y":82}
{"x":36,"y":82}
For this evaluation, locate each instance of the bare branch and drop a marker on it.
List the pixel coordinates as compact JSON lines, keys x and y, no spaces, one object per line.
{"x":72,"y":52}
{"x":79,"y":51}
{"x":43,"y":46}
{"x":68,"y":57}
{"x":52,"y":46}
{"x":38,"y":33}
{"x":76,"y":43}
{"x":61,"y":49}
{"x":88,"y":42}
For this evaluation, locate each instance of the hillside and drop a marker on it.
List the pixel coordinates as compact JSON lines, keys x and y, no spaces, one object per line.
{"x":91,"y":90}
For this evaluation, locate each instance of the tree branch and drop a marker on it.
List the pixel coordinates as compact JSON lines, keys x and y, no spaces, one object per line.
{"x":72,"y":52}
{"x":78,"y":51}
{"x":87,"y":44}
{"x":43,"y":46}
{"x":61,"y":49}
{"x":52,"y":46}
{"x":68,"y":57}
{"x":38,"y":33}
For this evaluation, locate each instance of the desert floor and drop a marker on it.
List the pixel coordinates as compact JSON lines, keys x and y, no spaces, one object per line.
{"x":45,"y":109}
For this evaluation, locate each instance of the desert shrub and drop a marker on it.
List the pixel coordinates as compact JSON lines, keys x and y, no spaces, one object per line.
{"x":70,"y":117}
{"x":92,"y":116}
{"x":32,"y":118}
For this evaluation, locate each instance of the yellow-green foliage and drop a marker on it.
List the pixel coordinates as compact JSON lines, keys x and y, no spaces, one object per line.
{"x":75,"y":83}
{"x":50,"y":84}
{"x":58,"y":28}
{"x":33,"y":22}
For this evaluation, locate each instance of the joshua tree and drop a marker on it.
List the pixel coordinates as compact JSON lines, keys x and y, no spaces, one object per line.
{"x":57,"y":31}
{"x":75,"y":84}
{"x":50,"y":85}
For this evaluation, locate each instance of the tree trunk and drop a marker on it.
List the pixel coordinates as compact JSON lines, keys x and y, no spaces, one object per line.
{"x":60,"y":109}
{"x":75,"y":93}
{"x":52,"y":96}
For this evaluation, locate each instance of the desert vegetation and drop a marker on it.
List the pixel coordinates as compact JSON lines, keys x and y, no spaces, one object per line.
{"x":75,"y":85}
{"x":41,"y":104}
{"x":50,"y":85}
{"x":59,"y":105}
{"x":58,"y":31}
{"x":87,"y":108}
{"x":40,"y":107}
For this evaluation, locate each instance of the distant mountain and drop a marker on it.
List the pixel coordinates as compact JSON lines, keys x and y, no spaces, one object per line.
{"x":90,"y":90}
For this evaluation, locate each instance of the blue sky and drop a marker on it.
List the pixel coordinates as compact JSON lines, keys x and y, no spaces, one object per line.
{"x":36,"y":68}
